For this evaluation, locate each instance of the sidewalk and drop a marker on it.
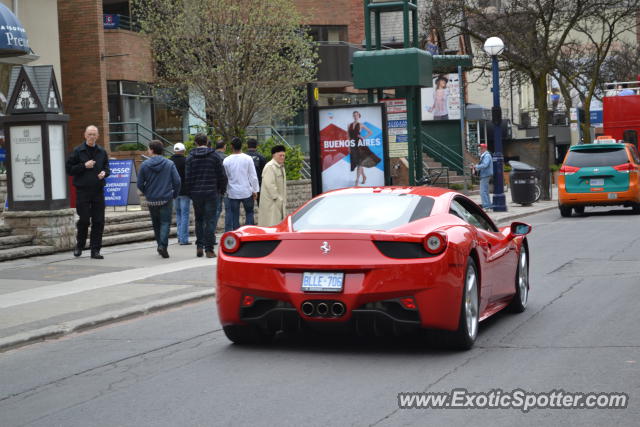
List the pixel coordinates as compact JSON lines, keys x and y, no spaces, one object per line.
{"x":54,"y":295}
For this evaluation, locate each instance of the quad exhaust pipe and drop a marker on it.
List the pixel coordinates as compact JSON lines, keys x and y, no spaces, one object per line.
{"x":307,"y":308}
{"x":323,"y":308}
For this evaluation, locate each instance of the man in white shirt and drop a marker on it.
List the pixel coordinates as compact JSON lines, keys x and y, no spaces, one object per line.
{"x":242,"y":186}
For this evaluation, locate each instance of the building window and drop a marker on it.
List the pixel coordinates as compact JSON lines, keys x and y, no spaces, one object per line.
{"x":329,"y":33}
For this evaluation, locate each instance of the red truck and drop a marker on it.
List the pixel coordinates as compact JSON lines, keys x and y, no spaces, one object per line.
{"x":621,"y":114}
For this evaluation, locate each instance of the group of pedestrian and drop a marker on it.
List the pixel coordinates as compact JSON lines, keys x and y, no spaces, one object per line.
{"x":206,"y":178}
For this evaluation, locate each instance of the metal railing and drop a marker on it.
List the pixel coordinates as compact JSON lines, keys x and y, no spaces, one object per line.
{"x":261,"y":134}
{"x":442,"y":153}
{"x":135,"y":133}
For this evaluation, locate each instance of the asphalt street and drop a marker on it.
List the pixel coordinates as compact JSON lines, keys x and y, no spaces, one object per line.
{"x":176,"y":368}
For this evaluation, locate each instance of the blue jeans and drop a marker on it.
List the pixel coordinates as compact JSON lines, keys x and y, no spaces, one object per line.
{"x":205,"y":210}
{"x":183,"y":203}
{"x":222,"y":200}
{"x":484,"y":192}
{"x":232,"y":212}
{"x":161,"y":220}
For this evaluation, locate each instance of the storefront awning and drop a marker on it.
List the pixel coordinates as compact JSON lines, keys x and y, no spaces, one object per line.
{"x":13,"y":37}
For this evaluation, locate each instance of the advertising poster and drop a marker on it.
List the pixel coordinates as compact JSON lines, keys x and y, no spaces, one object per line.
{"x":27,"y":167}
{"x":397,"y":127}
{"x":116,"y":189}
{"x":442,"y":101}
{"x":352,"y":146}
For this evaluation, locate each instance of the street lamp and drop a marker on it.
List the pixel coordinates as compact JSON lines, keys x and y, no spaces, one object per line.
{"x":494,"y":47}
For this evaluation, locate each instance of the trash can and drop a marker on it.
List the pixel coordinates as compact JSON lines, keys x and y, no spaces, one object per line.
{"x":522,"y":183}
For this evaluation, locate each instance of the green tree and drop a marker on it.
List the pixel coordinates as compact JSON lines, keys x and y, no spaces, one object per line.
{"x":248,"y":60}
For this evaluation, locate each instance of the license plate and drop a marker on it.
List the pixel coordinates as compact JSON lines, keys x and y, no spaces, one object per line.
{"x":597,"y":181}
{"x":612,"y":196}
{"x":322,"y":282}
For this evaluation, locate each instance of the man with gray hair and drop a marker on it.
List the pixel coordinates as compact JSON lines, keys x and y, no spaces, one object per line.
{"x":88,"y":164}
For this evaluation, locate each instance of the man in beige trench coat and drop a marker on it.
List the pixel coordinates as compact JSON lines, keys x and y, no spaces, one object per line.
{"x":273,"y":192}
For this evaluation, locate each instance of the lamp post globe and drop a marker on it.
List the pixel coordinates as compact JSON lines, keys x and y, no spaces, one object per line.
{"x":494,"y":47}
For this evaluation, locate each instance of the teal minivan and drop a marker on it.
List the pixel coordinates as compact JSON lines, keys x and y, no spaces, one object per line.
{"x":599,"y":174}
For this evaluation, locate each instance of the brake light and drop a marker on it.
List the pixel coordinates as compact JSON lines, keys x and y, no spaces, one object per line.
{"x":230,"y":242}
{"x":568,"y":170}
{"x":435,"y":243}
{"x":625,"y":167}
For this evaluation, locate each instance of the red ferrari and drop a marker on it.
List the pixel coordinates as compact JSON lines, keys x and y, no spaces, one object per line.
{"x":373,"y":260}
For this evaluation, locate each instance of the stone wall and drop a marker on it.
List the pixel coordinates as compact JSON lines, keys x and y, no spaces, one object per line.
{"x":49,"y":228}
{"x":298,"y":193}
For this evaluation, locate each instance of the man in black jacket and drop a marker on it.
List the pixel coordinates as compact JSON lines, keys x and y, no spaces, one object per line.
{"x":182,"y":202}
{"x":258,"y":160}
{"x":205,"y":181}
{"x":89,"y":166}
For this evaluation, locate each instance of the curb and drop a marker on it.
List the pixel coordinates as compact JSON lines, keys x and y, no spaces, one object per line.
{"x":523,"y":214}
{"x":79,"y":325}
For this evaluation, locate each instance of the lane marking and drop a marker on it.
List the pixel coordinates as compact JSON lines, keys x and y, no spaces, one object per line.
{"x":98,"y":281}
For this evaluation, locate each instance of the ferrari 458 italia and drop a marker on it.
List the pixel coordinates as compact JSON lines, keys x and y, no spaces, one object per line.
{"x":385,"y":260}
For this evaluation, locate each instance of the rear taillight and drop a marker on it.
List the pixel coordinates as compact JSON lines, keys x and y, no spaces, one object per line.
{"x":230,"y":242}
{"x":568,"y":170}
{"x":625,"y":167}
{"x":435,"y":243}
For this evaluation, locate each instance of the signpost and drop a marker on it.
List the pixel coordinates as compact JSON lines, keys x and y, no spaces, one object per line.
{"x":118,"y":190}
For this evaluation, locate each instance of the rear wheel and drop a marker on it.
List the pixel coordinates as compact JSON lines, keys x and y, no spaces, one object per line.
{"x":565,"y":211}
{"x":579,"y":210}
{"x":519,"y":302}
{"x":246,"y":334}
{"x":465,"y":336}
{"x":635,"y":208}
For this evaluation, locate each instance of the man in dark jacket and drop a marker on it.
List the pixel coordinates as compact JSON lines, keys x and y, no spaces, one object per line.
{"x":89,"y":166}
{"x":221,"y":147}
{"x":205,"y":181}
{"x":159,"y":181}
{"x":182,"y":202}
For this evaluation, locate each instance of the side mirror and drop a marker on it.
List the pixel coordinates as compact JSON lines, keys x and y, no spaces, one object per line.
{"x":518,"y":229}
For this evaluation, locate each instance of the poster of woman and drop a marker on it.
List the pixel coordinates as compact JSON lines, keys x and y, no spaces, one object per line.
{"x":442,"y":101}
{"x":352,"y":146}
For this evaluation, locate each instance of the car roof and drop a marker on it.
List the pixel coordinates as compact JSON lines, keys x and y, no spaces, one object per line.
{"x":420,"y":191}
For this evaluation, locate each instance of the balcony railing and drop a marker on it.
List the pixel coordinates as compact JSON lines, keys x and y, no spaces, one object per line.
{"x":113,"y":21}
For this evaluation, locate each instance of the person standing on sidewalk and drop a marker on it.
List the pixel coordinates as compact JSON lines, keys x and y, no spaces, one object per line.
{"x":485,"y":170}
{"x":89,"y":166}
{"x":205,"y":182}
{"x":159,"y":181}
{"x":242,"y":187}
{"x":182,"y":202}
{"x":223,"y":200}
{"x":258,"y":161}
{"x":273,"y":191}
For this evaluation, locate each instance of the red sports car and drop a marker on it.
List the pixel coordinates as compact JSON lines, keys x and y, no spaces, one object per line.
{"x":378,"y":260}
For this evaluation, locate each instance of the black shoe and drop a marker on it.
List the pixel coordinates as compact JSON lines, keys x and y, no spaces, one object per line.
{"x":163,"y":252}
{"x":77,"y":251}
{"x":199,"y":252}
{"x":185,"y":243}
{"x":96,"y":255}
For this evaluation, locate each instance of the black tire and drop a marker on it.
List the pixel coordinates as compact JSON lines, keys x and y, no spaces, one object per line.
{"x":519,"y":302}
{"x":537,"y":192}
{"x":579,"y":210}
{"x":465,"y":336}
{"x":246,"y":334}
{"x":635,"y":208}
{"x":565,"y":211}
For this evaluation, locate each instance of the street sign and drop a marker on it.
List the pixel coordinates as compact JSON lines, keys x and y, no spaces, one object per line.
{"x":118,"y":184}
{"x":397,"y":127}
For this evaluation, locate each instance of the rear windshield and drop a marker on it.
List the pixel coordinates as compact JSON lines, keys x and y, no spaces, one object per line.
{"x":597,"y":157}
{"x":362,"y":211}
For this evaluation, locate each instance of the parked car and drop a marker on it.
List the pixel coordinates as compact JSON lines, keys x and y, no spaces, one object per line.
{"x":600,"y":174}
{"x":379,"y":260}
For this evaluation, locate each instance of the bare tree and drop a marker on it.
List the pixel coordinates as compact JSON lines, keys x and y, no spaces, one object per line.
{"x":534,"y":32}
{"x":595,"y":38}
{"x":244,"y":58}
